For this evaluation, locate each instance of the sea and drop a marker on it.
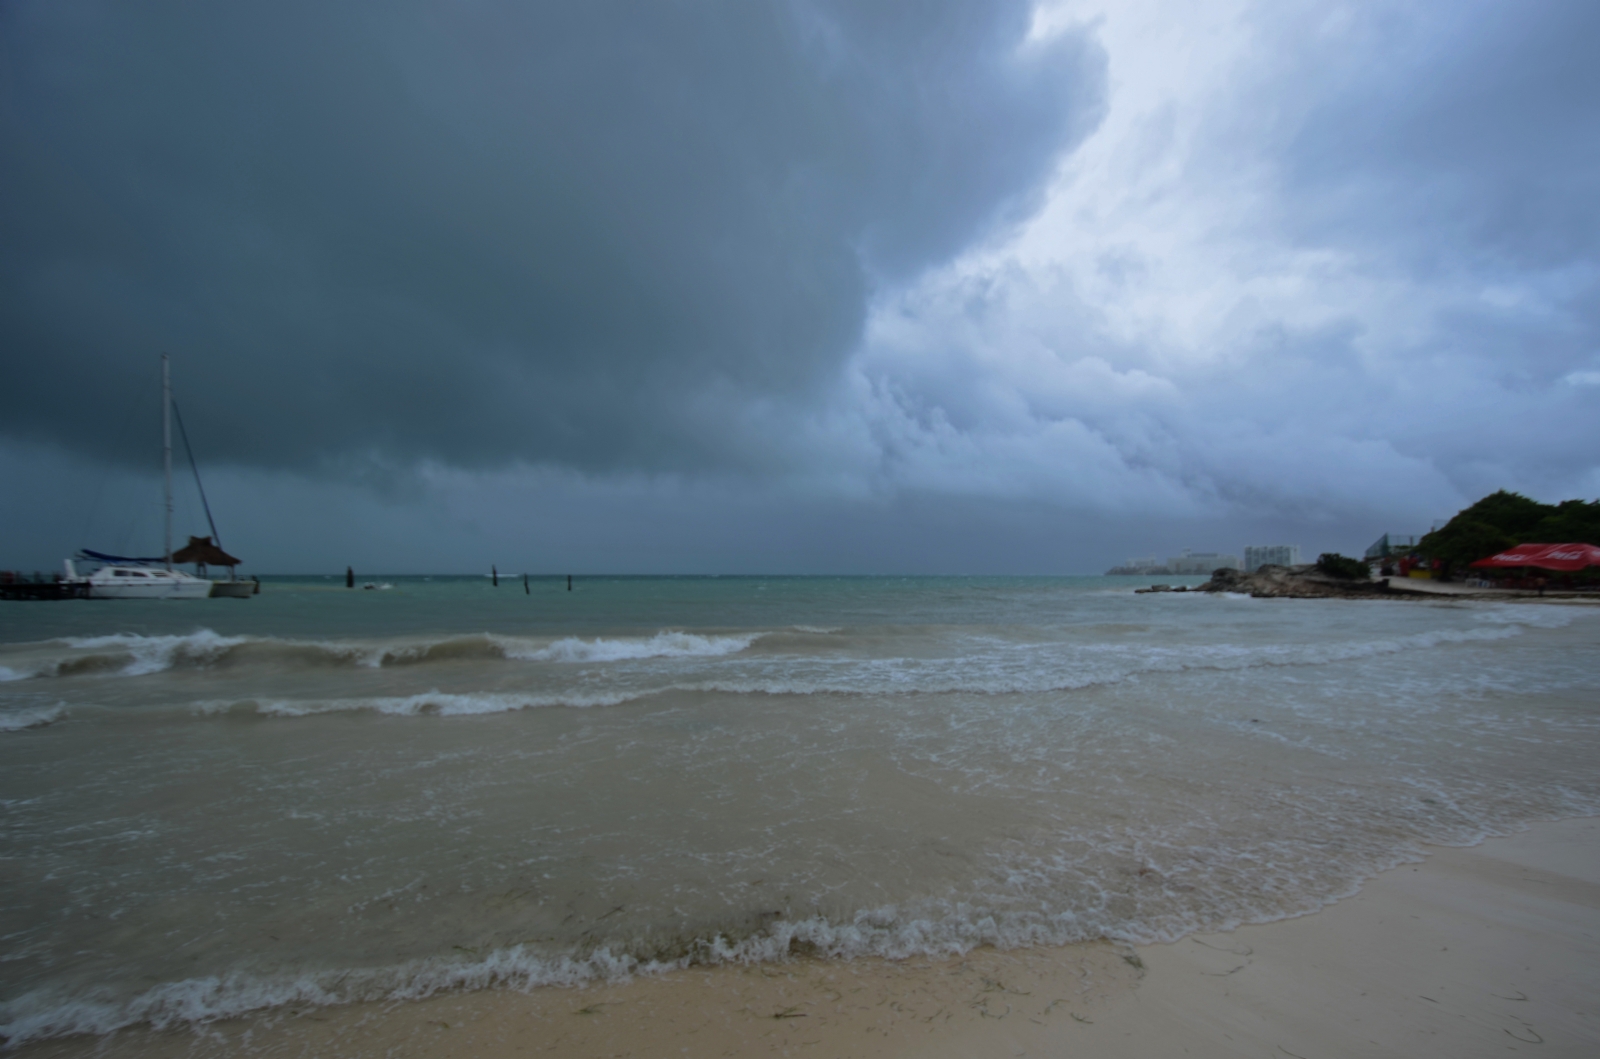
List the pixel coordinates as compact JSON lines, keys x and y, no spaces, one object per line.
{"x":322,"y":795}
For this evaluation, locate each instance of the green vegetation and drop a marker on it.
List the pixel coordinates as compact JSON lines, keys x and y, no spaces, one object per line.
{"x":1342,"y":566}
{"x":1503,"y":520}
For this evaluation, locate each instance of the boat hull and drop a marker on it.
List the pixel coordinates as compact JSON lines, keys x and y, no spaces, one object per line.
{"x":167,"y":591}
{"x":232,"y":589}
{"x":152,"y":585}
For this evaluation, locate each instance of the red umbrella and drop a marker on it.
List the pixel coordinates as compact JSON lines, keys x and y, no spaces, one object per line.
{"x":1546,"y":556}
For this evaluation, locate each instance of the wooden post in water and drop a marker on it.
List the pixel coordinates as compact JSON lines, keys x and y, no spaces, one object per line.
{"x":349,"y":577}
{"x":569,"y":582}
{"x":525,"y":591}
{"x":494,"y":575}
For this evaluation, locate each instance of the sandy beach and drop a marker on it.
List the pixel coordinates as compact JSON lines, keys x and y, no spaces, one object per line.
{"x":1474,"y":951}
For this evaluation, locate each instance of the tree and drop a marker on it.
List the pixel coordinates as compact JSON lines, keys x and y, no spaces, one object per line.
{"x":1343,"y":567}
{"x":1572,"y":522}
{"x":1503,"y":520}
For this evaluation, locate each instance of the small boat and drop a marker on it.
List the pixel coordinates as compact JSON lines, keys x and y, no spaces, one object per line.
{"x":235,"y":589}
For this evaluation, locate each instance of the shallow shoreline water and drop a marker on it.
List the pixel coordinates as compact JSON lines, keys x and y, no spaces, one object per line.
{"x":447,"y":786}
{"x":1474,"y":950}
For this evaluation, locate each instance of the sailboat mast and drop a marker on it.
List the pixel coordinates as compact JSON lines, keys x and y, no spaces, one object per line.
{"x":166,"y":447}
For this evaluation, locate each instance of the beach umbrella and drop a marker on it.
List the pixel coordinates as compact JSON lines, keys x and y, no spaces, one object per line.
{"x":1545,"y":557}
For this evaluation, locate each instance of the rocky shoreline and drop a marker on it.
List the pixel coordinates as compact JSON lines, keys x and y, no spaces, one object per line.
{"x":1308,"y":582}
{"x":1295,"y":582}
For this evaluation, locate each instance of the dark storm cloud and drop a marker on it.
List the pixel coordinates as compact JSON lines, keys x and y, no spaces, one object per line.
{"x":604,"y":234}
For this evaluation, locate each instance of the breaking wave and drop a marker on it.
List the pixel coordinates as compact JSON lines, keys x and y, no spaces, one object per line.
{"x":434,"y":703}
{"x":30,"y":717}
{"x":888,"y":932}
{"x":1004,"y":671}
{"x":132,"y":655}
{"x":661,"y":645}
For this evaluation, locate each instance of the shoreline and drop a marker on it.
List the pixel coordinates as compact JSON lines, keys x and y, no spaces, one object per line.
{"x":1474,"y":949}
{"x":1308,"y":582}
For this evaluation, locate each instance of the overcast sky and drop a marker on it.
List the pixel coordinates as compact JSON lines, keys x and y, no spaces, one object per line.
{"x":793,"y":286}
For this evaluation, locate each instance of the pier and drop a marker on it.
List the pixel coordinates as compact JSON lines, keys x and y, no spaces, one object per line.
{"x":21,"y":586}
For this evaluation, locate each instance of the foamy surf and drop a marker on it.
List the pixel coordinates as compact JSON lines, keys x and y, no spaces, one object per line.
{"x":197,"y":1001}
{"x":30,"y":717}
{"x":133,"y":655}
{"x":997,"y":669}
{"x":661,"y":645}
{"x":881,"y":932}
{"x":431,"y":703}
{"x":142,"y":655}
{"x":938,"y":928}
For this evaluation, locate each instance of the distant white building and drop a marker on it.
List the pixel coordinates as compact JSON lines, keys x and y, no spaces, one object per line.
{"x":1201,"y":562}
{"x":1258,"y":555}
{"x":1148,"y":562}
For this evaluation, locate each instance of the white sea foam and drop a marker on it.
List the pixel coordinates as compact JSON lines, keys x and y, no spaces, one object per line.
{"x":132,"y":655}
{"x":195,"y":1001}
{"x":436,"y":703}
{"x":1535,"y":615}
{"x":152,"y":654}
{"x":941,"y":929}
{"x":1033,"y":669}
{"x":45,"y":1014}
{"x":661,"y":645}
{"x":30,"y":717}
{"x":1072,"y":668}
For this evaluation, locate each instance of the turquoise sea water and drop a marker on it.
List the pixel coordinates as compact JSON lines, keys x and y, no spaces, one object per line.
{"x":321,"y":794}
{"x":412,"y":604}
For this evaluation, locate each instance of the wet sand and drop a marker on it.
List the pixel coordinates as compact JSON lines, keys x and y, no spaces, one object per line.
{"x":1483,"y":951}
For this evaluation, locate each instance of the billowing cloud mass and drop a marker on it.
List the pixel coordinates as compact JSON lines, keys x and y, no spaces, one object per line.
{"x":802,"y":285}
{"x":1317,"y":260}
{"x":598,"y":234}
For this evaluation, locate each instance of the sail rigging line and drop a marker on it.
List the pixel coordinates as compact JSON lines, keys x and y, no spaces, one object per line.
{"x":195,"y":467}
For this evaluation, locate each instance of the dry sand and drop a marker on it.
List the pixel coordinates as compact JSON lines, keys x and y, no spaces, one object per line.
{"x":1475,"y":952}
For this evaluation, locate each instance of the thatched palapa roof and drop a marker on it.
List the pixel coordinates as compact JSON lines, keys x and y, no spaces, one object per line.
{"x":201,"y":550}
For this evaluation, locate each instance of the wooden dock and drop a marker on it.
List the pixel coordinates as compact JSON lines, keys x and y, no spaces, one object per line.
{"x":14,"y":586}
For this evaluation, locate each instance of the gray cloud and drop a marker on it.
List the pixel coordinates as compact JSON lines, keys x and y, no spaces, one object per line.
{"x":1467,"y":137}
{"x":600,"y":234}
{"x":1352,"y":278}
{"x":1455,"y":152}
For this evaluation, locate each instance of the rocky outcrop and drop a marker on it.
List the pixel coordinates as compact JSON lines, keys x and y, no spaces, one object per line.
{"x":1300,"y":582}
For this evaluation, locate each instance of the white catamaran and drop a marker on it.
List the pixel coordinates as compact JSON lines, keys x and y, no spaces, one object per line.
{"x":119,"y":577}
{"x":124,"y":580}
